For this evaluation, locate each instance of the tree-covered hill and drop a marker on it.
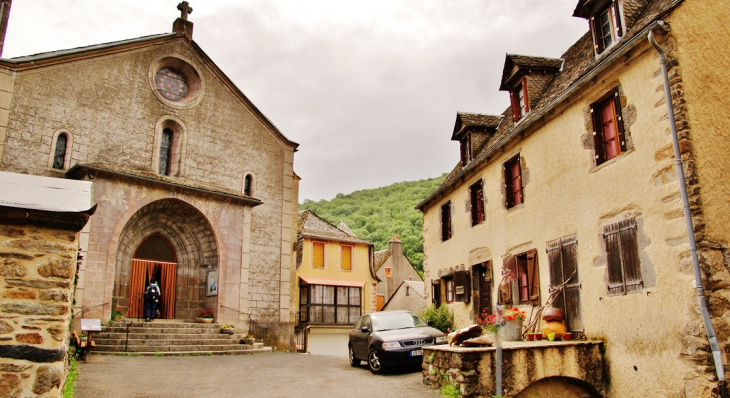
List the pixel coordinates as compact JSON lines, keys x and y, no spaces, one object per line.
{"x":376,"y":214}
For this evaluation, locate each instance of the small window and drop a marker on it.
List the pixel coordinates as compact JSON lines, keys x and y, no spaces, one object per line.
{"x":520,"y":104}
{"x":165,"y":151}
{"x":513,"y":182}
{"x":318,"y":254}
{"x":59,"y":154}
{"x":608,"y":128}
{"x":521,"y":283}
{"x":476,"y":192}
{"x":446,"y":231}
{"x":450,"y":294}
{"x":606,"y":26}
{"x":346,"y":258}
{"x":388,"y":272}
{"x":624,"y":270}
{"x":248,"y":185}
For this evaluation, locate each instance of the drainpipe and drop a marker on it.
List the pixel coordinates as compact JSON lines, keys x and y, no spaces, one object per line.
{"x":711,"y":336}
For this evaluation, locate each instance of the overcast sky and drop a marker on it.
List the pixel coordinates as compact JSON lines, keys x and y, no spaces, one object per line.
{"x":368,"y":88}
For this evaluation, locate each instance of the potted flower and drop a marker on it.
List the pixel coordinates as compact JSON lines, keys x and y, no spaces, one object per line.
{"x":513,"y":319}
{"x":228,"y":329}
{"x":248,"y":339}
{"x":205,"y":316}
{"x":117,"y":315}
{"x":488,"y":322}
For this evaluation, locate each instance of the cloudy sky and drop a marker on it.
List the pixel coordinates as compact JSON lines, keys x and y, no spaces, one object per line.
{"x":368,"y":88}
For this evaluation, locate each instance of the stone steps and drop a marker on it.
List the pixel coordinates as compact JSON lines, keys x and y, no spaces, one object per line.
{"x":170,"y":338}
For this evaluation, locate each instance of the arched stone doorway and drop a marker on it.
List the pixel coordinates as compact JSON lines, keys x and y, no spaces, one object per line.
{"x":161,"y":231}
{"x":557,"y":386}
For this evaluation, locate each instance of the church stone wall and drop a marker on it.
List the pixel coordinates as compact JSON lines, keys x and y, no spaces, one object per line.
{"x":37,"y":267}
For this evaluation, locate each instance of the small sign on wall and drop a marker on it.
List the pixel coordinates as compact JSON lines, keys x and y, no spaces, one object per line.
{"x":211,"y":284}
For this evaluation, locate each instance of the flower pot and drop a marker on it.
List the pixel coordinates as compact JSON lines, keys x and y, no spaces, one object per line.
{"x":248,"y":341}
{"x":513,"y":331}
{"x":551,"y":336}
{"x":227,"y":330}
{"x":530,"y":336}
{"x":116,"y":318}
{"x":204,"y":320}
{"x":567,"y":336}
{"x":538,"y":336}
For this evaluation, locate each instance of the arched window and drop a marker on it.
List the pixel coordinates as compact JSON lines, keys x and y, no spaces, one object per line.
{"x":59,"y":155}
{"x":165,"y":151}
{"x":247,"y":185}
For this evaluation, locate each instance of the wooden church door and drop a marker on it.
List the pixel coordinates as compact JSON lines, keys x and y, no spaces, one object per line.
{"x":154,"y":259}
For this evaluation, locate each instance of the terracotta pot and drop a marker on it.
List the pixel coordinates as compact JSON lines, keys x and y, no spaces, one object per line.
{"x":567,"y":336}
{"x":204,"y":320}
{"x":530,"y":336}
{"x":538,"y":336}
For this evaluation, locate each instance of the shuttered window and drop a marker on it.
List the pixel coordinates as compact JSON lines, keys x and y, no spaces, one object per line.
{"x":524,"y":275}
{"x":562,"y":256}
{"x":466,"y":154}
{"x":476,"y":192}
{"x":606,"y":26}
{"x":624,"y":270}
{"x":513,"y":182}
{"x":608,"y":128}
{"x":318,"y":254}
{"x":346,"y":258}
{"x":446,"y":221}
{"x":449,"y":282}
{"x":520,"y":103}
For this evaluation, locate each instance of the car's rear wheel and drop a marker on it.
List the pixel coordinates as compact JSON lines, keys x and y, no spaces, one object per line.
{"x":374,"y":362}
{"x":354,"y":362}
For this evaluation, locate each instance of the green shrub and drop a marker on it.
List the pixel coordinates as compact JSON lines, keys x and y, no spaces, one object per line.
{"x":68,"y":388}
{"x":450,"y":391}
{"x":442,"y":317}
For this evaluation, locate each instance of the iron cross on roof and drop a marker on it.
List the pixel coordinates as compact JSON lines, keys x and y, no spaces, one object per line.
{"x":185,"y":9}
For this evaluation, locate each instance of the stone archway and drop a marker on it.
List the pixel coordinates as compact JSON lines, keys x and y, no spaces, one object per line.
{"x":192,"y":238}
{"x":564,"y":387}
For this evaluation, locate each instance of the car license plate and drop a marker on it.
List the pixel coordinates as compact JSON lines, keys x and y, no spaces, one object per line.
{"x":416,"y":353}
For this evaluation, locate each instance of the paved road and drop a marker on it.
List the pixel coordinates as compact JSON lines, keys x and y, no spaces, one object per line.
{"x":270,"y":375}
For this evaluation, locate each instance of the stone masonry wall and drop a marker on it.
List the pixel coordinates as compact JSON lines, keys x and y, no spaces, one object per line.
{"x":37,"y":268}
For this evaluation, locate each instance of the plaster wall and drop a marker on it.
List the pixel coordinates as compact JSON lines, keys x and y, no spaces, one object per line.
{"x":702,"y":34}
{"x":565,"y":194}
{"x":401,"y":270}
{"x":108,"y":107}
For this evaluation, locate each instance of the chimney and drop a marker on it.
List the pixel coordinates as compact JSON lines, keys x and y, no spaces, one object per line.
{"x":396,"y":247}
{"x":4,"y":16}
{"x":410,"y":277}
{"x":182,"y":26}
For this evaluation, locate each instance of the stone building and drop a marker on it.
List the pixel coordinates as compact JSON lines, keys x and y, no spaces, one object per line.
{"x":392,"y":267}
{"x":40,"y":220}
{"x":335,"y":283}
{"x":194,"y":185}
{"x":575,"y":183}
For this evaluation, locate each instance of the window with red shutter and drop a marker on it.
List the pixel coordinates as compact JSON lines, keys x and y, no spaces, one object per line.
{"x":608,"y":129}
{"x":521,"y":280}
{"x":519,"y":99}
{"x":513,"y":182}
{"x":476,"y":193}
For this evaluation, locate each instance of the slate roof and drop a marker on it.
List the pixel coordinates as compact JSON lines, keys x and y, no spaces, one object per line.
{"x":465,"y":120}
{"x":579,"y":61}
{"x":527,"y":62}
{"x":381,"y":257}
{"x":310,"y":225}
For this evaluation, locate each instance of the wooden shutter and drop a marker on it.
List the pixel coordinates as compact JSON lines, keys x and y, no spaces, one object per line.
{"x":555,"y":262}
{"x":475,"y":287}
{"x":346,"y":258}
{"x":600,"y":146}
{"x":525,"y":97}
{"x":617,"y":19}
{"x":515,"y":106}
{"x":630,"y":256}
{"x":613,"y":256}
{"x":436,"y":292}
{"x":505,"y":289}
{"x":461,"y":286}
{"x":619,"y":121}
{"x":596,"y":30}
{"x":317,"y":254}
{"x":533,"y":277}
{"x":573,"y":315}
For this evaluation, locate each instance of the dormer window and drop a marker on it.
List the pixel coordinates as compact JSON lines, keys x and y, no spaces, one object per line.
{"x":606,"y":26}
{"x":520,"y":104}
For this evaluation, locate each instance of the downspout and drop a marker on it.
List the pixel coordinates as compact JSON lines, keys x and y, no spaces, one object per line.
{"x":711,"y":336}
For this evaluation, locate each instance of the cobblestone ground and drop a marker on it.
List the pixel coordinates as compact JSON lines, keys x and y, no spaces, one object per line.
{"x":261,"y":375}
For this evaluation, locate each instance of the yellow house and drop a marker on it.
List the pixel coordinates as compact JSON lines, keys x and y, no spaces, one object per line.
{"x":576,"y":182}
{"x":336,"y":283}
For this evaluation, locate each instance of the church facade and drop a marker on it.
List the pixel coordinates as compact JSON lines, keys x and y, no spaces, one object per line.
{"x":194,"y":185}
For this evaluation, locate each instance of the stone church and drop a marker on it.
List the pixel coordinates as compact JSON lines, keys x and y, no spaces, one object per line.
{"x":194,"y":185}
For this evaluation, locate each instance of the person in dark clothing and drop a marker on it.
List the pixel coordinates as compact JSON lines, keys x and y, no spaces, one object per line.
{"x":151,"y":300}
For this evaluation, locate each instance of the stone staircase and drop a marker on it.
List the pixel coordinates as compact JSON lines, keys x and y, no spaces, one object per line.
{"x":164,"y":337}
